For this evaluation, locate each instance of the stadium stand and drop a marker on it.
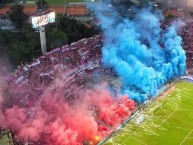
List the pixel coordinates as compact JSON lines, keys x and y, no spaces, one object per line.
{"x":76,"y":61}
{"x":187,"y":34}
{"x":81,"y":58}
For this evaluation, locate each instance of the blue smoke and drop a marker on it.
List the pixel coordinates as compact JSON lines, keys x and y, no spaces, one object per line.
{"x":144,"y":56}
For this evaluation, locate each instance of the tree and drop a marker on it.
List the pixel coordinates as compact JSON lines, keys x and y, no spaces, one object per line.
{"x":17,"y":16}
{"x":56,"y":38}
{"x":170,"y":16}
{"x":41,"y":4}
{"x":20,"y":46}
{"x":32,"y":41}
{"x":5,"y":1}
{"x":74,"y":30}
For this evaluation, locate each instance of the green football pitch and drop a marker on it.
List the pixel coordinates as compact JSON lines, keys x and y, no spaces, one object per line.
{"x":167,"y":121}
{"x":5,"y":140}
{"x":62,"y":2}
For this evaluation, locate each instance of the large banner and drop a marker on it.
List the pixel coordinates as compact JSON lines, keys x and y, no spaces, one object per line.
{"x":43,"y":19}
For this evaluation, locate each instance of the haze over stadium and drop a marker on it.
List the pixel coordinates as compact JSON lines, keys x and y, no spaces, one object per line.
{"x":140,"y":53}
{"x":143,"y":55}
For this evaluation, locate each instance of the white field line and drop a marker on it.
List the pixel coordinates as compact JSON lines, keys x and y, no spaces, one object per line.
{"x":139,"y":127}
{"x":169,"y":116}
{"x":129,"y":136}
{"x":185,"y":109}
{"x":169,"y":100}
{"x":138,"y":140}
{"x":186,"y":137}
{"x":160,"y":124}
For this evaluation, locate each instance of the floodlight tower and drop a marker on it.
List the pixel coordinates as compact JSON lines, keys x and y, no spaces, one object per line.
{"x":43,"y":39}
{"x":129,"y":12}
{"x":40,"y":22}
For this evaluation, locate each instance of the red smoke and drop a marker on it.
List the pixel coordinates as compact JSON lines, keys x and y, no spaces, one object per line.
{"x":53,"y":122}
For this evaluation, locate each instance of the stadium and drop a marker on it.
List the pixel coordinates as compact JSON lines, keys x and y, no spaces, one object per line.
{"x":131,"y":84}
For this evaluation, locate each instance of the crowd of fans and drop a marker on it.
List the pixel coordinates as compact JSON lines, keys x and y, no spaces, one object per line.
{"x":187,"y":36}
{"x":74,"y":62}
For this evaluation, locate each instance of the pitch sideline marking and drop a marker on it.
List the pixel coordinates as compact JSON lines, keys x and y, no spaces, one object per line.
{"x":186,"y":137}
{"x":169,"y":116}
{"x":160,"y":124}
{"x":177,"y":108}
{"x":138,"y":140}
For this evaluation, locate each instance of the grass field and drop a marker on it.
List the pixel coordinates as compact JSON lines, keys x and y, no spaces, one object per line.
{"x":4,"y":140}
{"x":168,"y":121}
{"x":61,"y":2}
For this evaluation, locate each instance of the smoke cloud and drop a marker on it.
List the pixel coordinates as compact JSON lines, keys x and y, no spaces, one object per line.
{"x":52,"y":121}
{"x":144,"y":55}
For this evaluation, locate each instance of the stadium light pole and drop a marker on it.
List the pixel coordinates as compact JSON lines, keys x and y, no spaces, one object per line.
{"x":92,"y":10}
{"x":64,"y":7}
{"x":187,"y":7}
{"x":129,"y":12}
{"x":41,"y":4}
{"x":40,"y":22}
{"x":35,"y":5}
{"x":111,"y":6}
{"x":169,"y":2}
{"x":155,"y":5}
{"x":151,"y":3}
{"x":43,"y":39}
{"x":178,"y":5}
